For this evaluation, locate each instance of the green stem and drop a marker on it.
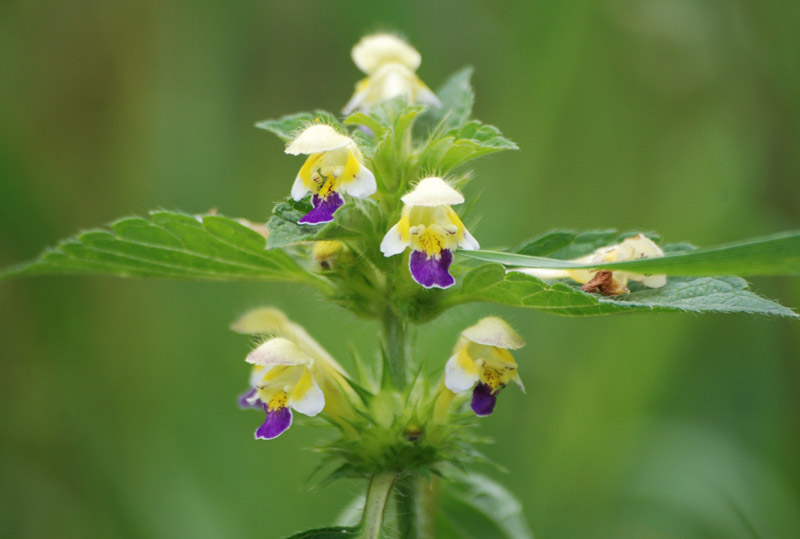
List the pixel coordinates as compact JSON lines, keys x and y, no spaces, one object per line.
{"x":375,"y":505}
{"x":395,"y":341}
{"x":416,"y":507}
{"x":427,"y":494}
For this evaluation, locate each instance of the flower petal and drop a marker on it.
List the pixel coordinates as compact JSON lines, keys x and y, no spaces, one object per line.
{"x":362,"y":185}
{"x":483,"y":400}
{"x":378,"y":49}
{"x":650,"y":281}
{"x":299,"y":189}
{"x":278,"y":351}
{"x":357,"y":100}
{"x":276,"y":423}
{"x":460,"y":373}
{"x":307,"y":397}
{"x":469,"y":242}
{"x":246,"y":400}
{"x":426,"y":96}
{"x":493,"y":331}
{"x":323,"y":209}
{"x":261,"y":321}
{"x":393,"y":243}
{"x":432,"y":272}
{"x":318,"y":138}
{"x":433,"y":192}
{"x":543,"y":273}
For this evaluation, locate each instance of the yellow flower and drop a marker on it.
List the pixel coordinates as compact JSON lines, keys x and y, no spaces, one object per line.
{"x":292,"y":370}
{"x":334,"y":166}
{"x":481,"y":359}
{"x":433,"y":231}
{"x":282,"y":380}
{"x":390,"y":64}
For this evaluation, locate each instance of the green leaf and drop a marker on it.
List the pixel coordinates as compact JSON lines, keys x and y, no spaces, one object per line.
{"x":477,"y":507}
{"x":387,"y":147}
{"x":288,"y":126}
{"x":470,"y":141}
{"x":332,"y":532}
{"x":778,"y":254}
{"x":351,"y":222}
{"x":491,"y":283}
{"x":457,"y":99}
{"x":170,"y":245}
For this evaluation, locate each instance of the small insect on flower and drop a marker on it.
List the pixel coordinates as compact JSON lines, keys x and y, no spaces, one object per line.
{"x":481,"y":359}
{"x":606,"y":282}
{"x":335,"y":166}
{"x":281,"y":380}
{"x":390,"y":64}
{"x":433,"y":231}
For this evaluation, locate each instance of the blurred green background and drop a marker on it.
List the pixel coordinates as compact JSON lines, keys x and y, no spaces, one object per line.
{"x":118,"y":397}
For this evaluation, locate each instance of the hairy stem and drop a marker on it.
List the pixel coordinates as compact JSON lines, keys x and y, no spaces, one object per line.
{"x":416,"y":507}
{"x":375,"y":505}
{"x":395,"y":341}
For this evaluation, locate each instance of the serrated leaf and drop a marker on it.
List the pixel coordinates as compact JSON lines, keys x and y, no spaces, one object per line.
{"x":457,"y":98}
{"x":170,"y":245}
{"x":332,"y":532}
{"x":287,"y":127}
{"x":491,"y":283}
{"x":395,"y":114}
{"x":778,"y":254}
{"x":456,"y":147}
{"x":477,"y":507}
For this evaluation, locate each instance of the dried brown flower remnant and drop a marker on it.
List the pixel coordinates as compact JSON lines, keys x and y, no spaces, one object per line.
{"x":604,"y":282}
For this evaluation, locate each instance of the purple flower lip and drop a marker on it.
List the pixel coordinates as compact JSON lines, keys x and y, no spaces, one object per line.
{"x":431,"y":272}
{"x":275,"y":424}
{"x":483,"y":400}
{"x":323,"y":211}
{"x":244,"y":400}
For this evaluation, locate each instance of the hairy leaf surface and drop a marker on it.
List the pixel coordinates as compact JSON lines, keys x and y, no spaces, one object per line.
{"x":170,"y":245}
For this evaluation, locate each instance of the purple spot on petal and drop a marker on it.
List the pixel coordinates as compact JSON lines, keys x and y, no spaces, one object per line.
{"x":323,"y":211}
{"x":430,"y":272}
{"x":243,"y":400}
{"x":276,"y":423}
{"x":483,"y":400}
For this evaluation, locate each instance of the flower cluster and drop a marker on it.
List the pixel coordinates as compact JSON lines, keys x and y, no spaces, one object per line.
{"x":335,"y":167}
{"x":291,"y":371}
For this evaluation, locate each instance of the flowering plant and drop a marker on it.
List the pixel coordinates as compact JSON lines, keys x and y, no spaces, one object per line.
{"x":372,"y":223}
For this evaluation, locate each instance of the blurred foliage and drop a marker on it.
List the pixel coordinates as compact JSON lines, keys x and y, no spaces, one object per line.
{"x":119,"y":396}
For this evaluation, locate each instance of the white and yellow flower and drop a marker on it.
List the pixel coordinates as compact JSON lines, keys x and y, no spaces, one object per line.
{"x":390,"y":64}
{"x":335,"y":166}
{"x":481,"y":360}
{"x":291,"y":371}
{"x":282,"y":380}
{"x":433,"y":231}
{"x":606,"y":282}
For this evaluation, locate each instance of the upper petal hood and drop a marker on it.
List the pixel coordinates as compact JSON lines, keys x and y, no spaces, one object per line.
{"x":493,"y":331}
{"x":378,"y":49}
{"x":433,"y":192}
{"x":316,"y":139}
{"x":278,"y":351}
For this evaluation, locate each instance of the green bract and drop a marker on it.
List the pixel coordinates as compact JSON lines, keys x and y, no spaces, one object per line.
{"x":403,"y":256}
